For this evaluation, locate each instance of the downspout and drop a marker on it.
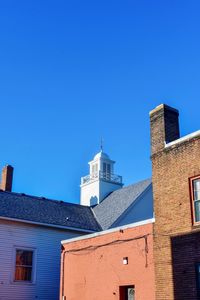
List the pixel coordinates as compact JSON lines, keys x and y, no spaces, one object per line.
{"x":62,"y":272}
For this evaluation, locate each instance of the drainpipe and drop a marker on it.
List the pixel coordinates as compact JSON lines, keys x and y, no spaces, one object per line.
{"x":62,"y":272}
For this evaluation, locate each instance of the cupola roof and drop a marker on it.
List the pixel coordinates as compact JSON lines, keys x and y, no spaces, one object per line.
{"x":101,"y":154}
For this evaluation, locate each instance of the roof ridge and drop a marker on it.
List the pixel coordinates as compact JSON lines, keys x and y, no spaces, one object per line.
{"x":138,"y":197}
{"x":126,"y":187}
{"x":114,"y":205}
{"x":132,"y":184}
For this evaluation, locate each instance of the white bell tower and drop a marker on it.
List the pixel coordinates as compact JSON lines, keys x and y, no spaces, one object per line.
{"x":101,"y":181}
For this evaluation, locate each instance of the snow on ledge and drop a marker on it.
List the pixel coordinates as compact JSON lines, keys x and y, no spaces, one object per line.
{"x":183,"y":139}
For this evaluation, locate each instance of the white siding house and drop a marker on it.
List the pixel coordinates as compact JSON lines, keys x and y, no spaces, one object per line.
{"x":45,"y":243}
{"x":31,"y":230}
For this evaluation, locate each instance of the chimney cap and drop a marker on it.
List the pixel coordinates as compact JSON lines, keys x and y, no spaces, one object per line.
{"x":8,"y":166}
{"x":162,"y":107}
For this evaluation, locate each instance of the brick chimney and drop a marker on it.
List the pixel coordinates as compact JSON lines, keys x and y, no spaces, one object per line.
{"x":164,"y":127}
{"x":6,"y":178}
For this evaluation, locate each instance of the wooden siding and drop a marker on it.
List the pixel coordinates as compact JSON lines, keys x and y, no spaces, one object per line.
{"x":46,"y":241}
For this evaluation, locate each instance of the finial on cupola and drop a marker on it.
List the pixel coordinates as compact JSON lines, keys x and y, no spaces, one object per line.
{"x":101,"y":144}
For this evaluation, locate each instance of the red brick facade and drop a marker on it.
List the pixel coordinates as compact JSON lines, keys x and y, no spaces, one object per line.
{"x":176,"y":238}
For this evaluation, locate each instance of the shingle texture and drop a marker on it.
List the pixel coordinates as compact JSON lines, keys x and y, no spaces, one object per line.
{"x":45,"y":211}
{"x":113,"y":206}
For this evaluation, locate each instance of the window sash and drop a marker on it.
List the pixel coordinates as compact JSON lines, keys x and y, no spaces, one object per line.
{"x":23,"y":273}
{"x":24,"y":259}
{"x":130,"y":293}
{"x":197,"y":210}
{"x":196,"y":189}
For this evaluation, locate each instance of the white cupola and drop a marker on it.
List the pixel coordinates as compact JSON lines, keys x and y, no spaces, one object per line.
{"x":101,"y":181}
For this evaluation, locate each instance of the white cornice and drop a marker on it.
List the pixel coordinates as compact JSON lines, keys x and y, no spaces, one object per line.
{"x":96,"y":234}
{"x":183,"y":139}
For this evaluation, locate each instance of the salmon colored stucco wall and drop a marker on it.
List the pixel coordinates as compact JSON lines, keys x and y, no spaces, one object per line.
{"x":97,"y":273}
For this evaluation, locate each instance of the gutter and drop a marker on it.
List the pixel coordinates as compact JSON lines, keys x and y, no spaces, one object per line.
{"x":48,"y":225}
{"x":95,"y":234}
{"x":183,"y":139}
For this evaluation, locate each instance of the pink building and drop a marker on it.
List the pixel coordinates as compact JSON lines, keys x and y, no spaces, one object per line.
{"x":112,"y":264}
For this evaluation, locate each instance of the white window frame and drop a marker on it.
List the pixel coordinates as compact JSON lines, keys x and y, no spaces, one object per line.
{"x":33,"y":275}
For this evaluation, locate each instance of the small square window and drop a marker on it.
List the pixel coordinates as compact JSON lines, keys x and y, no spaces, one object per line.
{"x":24,"y":263}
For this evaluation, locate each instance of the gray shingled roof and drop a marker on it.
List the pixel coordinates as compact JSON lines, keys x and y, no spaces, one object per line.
{"x":45,"y":211}
{"x":114,"y":205}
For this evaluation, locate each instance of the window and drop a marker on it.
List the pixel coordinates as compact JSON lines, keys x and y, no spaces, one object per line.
{"x":95,"y":170}
{"x":127,"y":292}
{"x":24,"y":259}
{"x":106,"y":171}
{"x":195,"y":184}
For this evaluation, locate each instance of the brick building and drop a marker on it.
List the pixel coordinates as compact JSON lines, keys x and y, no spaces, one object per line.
{"x":174,"y":237}
{"x":176,"y":190}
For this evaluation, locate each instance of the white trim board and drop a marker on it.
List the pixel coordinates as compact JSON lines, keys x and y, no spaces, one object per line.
{"x":46,"y":224}
{"x":92,"y":235}
{"x":183,"y":139}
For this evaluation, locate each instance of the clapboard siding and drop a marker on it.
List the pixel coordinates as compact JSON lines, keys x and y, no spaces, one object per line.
{"x":46,"y":241}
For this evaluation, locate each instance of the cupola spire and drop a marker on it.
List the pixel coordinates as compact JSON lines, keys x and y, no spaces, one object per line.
{"x":101,"y":146}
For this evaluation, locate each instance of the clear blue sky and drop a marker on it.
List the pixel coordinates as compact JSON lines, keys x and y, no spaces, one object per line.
{"x":73,"y":71}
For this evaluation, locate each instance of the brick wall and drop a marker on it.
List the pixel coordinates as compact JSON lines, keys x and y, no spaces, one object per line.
{"x":176,"y":240}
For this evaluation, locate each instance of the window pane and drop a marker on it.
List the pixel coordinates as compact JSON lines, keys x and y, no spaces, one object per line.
{"x":196,"y":186}
{"x":197,"y":210}
{"x":197,"y":195}
{"x":127,"y":292}
{"x":108,"y":168}
{"x":23,"y":273}
{"x":131,"y":293}
{"x":24,"y":257}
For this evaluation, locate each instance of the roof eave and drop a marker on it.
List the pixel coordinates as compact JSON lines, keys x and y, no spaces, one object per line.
{"x":48,"y":225}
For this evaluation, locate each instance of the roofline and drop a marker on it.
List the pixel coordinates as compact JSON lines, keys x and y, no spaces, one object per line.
{"x":100,"y":158}
{"x":138,"y":198}
{"x":183,"y":139}
{"x":47,"y":225}
{"x":96,"y":234}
